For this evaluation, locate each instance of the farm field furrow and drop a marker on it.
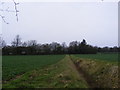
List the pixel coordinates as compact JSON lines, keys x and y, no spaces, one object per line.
{"x":98,"y":71}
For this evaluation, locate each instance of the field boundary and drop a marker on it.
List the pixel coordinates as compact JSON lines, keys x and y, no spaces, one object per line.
{"x":87,"y":78}
{"x":96,"y":73}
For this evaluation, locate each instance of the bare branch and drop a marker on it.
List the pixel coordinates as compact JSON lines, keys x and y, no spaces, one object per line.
{"x":16,"y":9}
{"x":3,"y":18}
{"x":8,"y":10}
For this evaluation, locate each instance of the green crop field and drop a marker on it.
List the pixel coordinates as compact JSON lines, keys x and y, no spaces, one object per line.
{"x":62,"y":74}
{"x":17,"y":65}
{"x":101,"y":56}
{"x":60,"y":71}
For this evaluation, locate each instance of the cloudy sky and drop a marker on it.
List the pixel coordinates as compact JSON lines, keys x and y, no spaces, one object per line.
{"x":64,"y":22}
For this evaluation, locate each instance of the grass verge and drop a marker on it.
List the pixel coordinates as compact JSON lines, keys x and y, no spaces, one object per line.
{"x":103,"y":74}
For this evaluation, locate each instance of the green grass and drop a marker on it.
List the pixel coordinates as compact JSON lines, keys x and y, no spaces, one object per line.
{"x":100,"y":56}
{"x":55,"y":71}
{"x":102,"y":72}
{"x":13,"y":66}
{"x":62,"y":74}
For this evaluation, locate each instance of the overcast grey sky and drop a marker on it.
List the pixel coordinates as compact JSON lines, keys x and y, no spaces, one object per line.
{"x":64,"y":22}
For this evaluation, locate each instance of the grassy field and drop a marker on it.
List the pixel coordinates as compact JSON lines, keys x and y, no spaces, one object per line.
{"x":60,"y":75}
{"x":17,"y":65}
{"x":100,"y":56}
{"x":60,"y":71}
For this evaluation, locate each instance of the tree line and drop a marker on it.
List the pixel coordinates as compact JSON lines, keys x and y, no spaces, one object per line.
{"x":31,"y":47}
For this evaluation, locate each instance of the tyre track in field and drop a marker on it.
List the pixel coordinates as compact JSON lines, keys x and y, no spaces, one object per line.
{"x":87,"y":78}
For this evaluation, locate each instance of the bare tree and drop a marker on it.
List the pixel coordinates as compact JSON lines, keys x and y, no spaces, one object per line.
{"x":2,"y":10}
{"x":24,"y":44}
{"x":32,"y":43}
{"x":17,"y":41}
{"x":64,"y":45}
{"x":2,"y":42}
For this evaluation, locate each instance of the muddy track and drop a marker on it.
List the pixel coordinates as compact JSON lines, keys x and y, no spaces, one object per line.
{"x":89,"y":80}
